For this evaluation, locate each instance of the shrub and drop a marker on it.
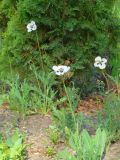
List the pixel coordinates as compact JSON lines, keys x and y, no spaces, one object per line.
{"x":72,"y":31}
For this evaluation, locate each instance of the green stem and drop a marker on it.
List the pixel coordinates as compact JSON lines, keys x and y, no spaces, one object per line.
{"x":106,"y":80}
{"x":39,"y":50}
{"x":72,"y":111}
{"x":36,"y":74}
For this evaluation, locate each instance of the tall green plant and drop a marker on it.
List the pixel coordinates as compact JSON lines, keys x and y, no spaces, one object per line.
{"x":109,"y":117}
{"x":12,"y":147}
{"x":85,"y":147}
{"x":35,"y":95}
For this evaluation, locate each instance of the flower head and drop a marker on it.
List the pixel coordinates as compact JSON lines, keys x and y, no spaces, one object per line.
{"x":31,"y":26}
{"x":60,"y":70}
{"x":100,"y":62}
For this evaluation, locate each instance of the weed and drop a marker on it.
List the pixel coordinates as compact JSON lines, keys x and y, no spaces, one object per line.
{"x":54,"y":134}
{"x":50,"y":151}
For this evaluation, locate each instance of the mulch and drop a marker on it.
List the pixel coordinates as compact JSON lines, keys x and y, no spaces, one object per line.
{"x":91,"y":104}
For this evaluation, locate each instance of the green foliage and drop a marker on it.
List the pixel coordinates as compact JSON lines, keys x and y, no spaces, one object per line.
{"x":109,"y":117}
{"x":100,"y":87}
{"x":67,"y":30}
{"x":116,"y":60}
{"x":65,"y":119}
{"x":54,"y":134}
{"x":85,"y":147}
{"x":72,"y":98}
{"x":12,"y":148}
{"x":31,"y":96}
{"x":116,"y":65}
{"x":50,"y":151}
{"x":46,"y":95}
{"x":19,"y":95}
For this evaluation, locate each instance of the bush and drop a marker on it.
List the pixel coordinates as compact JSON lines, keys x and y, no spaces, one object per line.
{"x":68,"y":31}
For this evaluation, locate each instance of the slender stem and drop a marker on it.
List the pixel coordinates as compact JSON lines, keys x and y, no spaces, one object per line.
{"x":73,"y":115}
{"x":36,"y":74}
{"x":106,"y":80}
{"x":37,"y":78}
{"x":39,"y":50}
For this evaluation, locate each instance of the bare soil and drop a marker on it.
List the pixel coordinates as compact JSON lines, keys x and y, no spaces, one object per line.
{"x":113,"y":152}
{"x":35,"y":128}
{"x":90,"y":105}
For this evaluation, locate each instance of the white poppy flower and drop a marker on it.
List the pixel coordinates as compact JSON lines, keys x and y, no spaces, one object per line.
{"x":55,"y":68}
{"x":60,"y":70}
{"x":31,"y":26}
{"x":100,"y":62}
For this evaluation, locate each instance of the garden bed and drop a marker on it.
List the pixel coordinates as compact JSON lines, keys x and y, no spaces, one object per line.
{"x":36,"y":129}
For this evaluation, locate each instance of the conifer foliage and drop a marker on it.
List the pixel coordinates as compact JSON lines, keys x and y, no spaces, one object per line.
{"x":72,"y":30}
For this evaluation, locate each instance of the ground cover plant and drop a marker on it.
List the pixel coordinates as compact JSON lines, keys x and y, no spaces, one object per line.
{"x":53,"y":54}
{"x":12,"y":147}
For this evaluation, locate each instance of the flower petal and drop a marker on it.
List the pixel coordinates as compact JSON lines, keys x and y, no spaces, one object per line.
{"x":96,"y":64}
{"x":64,"y":68}
{"x":59,"y":73}
{"x":31,"y":26}
{"x":104,"y":60}
{"x":98,"y":59}
{"x":34,"y":27}
{"x":55,"y":68}
{"x":102,"y":66}
{"x":29,"y":30}
{"x":61,"y":69}
{"x":32,"y":23}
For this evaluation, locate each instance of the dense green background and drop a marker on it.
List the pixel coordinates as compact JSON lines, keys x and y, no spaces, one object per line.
{"x":72,"y":30}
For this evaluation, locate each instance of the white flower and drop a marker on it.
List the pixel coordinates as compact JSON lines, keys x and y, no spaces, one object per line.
{"x":60,"y":70}
{"x":100,"y":62}
{"x":31,"y":26}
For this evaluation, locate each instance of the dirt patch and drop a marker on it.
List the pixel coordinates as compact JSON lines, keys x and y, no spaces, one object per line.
{"x":35,"y":128}
{"x":113,"y":152}
{"x":8,"y":121}
{"x":90,"y":105}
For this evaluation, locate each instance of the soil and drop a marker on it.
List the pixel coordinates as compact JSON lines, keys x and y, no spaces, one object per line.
{"x":8,"y":121}
{"x":90,"y":105}
{"x":35,"y":128}
{"x":113,"y":152}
